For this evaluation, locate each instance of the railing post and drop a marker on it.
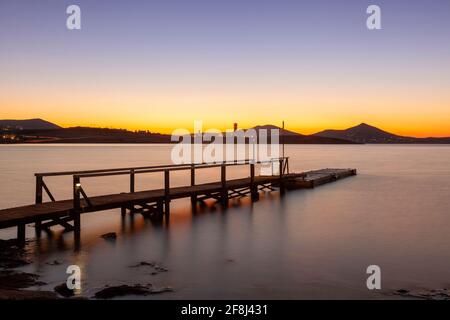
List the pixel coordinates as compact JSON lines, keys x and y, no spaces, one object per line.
{"x":132,"y":175}
{"x":192,"y":174}
{"x":38,"y":189}
{"x":281,"y":177}
{"x":123,"y":210}
{"x":193,"y":196}
{"x":223,"y":179}
{"x":167,"y":193}
{"x":77,"y":210}
{"x":37,"y":225}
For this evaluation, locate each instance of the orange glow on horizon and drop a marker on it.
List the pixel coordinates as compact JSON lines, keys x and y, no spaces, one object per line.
{"x":421,"y":115}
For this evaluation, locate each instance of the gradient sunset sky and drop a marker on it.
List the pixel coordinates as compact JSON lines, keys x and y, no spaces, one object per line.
{"x":160,"y":65}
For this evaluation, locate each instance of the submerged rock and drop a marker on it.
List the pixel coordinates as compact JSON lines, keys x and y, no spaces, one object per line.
{"x":143,"y":263}
{"x":157,"y":268}
{"x":11,"y":294}
{"x":112,"y":236}
{"x":12,"y":255}
{"x":124,"y":290}
{"x":162,"y":290}
{"x":432,"y":294}
{"x":54,"y":263}
{"x":402,"y":291}
{"x":64,"y":291}
{"x":10,"y":279}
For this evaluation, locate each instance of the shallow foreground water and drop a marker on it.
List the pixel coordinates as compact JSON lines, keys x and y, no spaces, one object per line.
{"x":308,"y":244}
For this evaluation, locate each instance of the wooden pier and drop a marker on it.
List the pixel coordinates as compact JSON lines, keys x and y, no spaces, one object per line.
{"x":155,"y":203}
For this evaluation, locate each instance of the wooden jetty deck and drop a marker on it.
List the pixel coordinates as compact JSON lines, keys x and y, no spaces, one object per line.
{"x":155,"y":203}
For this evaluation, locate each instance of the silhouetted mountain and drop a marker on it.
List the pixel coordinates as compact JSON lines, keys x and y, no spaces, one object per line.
{"x":269,"y":127}
{"x":105,"y":135}
{"x":30,"y":124}
{"x":92,"y":135}
{"x":290,"y":137}
{"x":362,"y":133}
{"x":365,"y":133}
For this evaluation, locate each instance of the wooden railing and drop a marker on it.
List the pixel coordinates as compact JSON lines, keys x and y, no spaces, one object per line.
{"x":78,"y":191}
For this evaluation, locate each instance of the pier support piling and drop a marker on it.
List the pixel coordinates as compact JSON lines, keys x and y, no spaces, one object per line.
{"x":193,"y":196}
{"x":21,"y":233}
{"x":76,"y":213}
{"x":253,"y":187}
{"x":224,"y":191}
{"x":38,"y":229}
{"x":282,"y":189}
{"x":166,"y":193}
{"x":77,"y":230}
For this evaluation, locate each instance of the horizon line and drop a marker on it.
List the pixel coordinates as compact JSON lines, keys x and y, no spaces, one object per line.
{"x":172,"y":130}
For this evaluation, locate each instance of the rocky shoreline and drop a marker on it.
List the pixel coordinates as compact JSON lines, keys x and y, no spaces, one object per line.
{"x":13,"y":283}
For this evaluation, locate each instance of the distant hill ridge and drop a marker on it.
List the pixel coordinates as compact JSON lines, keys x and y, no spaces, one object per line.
{"x":364,"y":133}
{"x":282,"y":131}
{"x":38,"y":130}
{"x":29,"y":124}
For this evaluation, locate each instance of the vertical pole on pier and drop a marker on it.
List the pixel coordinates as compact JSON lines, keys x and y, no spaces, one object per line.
{"x":282,"y":139}
{"x":76,"y":211}
{"x":281,"y":177}
{"x":223,"y":179}
{"x":21,"y":233}
{"x":132,"y":175}
{"x":193,"y":196}
{"x":160,"y":209}
{"x":123,"y":214}
{"x":37,"y":224}
{"x":253,"y":187}
{"x":38,"y":189}
{"x":166,"y":193}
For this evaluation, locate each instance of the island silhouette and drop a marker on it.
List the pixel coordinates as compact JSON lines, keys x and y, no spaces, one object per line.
{"x":42,"y":131}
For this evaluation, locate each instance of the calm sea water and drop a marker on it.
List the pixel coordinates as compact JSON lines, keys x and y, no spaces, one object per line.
{"x":309,"y":244}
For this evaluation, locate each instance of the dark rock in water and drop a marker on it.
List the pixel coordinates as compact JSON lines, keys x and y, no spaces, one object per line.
{"x":124,"y":290}
{"x":431,"y":294}
{"x":64,"y":291}
{"x":143,"y":263}
{"x":12,"y":255}
{"x":160,"y":269}
{"x":156,"y":267}
{"x":110,"y":236}
{"x":7,"y":294}
{"x":162,"y":290}
{"x":16,"y":280}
